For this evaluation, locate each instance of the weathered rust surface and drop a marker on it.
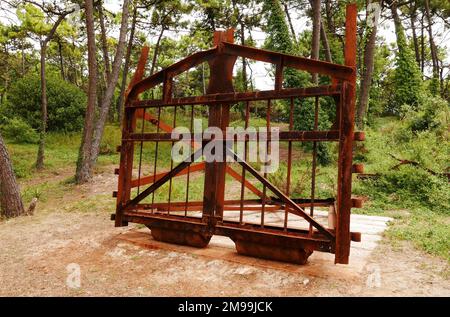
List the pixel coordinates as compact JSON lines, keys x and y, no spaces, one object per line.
{"x":193,"y":223}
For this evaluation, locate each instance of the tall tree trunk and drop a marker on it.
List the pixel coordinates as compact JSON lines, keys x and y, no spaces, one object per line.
{"x":315,"y":45}
{"x":107,"y":99}
{"x":43,"y":44}
{"x":156,"y":52}
{"x":61,"y":60}
{"x":42,"y":132}
{"x":10,"y":200}
{"x":413,"y":18}
{"x":326,"y":45}
{"x":126,"y":66}
{"x":104,"y":41}
{"x":366,"y":81}
{"x":329,"y":16}
{"x":434,"y":56}
{"x":83,"y":172}
{"x":288,"y":16}
{"x":422,"y":45}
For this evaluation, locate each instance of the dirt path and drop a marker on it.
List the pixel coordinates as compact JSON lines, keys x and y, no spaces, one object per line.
{"x":35,"y":253}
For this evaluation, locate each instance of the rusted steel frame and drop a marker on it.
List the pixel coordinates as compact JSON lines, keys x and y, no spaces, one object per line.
{"x":174,"y":70}
{"x":314,"y":161}
{"x":171,"y":159}
{"x":156,"y":151}
{"x":269,"y":208}
{"x":300,"y":63}
{"x":152,"y":178}
{"x":289,"y":168}
{"x":199,"y":204}
{"x":247,"y":202}
{"x":162,"y":180}
{"x":347,"y":117}
{"x":246,"y":183}
{"x":297,"y":136}
{"x":140,"y":153}
{"x":127,"y":150}
{"x":167,"y":128}
{"x":189,"y":167}
{"x":228,"y":228}
{"x":152,"y":119}
{"x":234,"y":97}
{"x":294,"y":238}
{"x":220,"y":81}
{"x":196,"y":168}
{"x":247,"y":118}
{"x":268,"y":112}
{"x":288,"y":201}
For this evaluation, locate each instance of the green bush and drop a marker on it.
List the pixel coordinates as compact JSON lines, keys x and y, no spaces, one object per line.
{"x":66,"y":103}
{"x":18,"y":131}
{"x":431,"y":115}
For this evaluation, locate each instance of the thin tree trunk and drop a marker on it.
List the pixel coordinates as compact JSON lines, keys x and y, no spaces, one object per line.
{"x":414,"y":33}
{"x":11,"y":204}
{"x":422,"y":44}
{"x":44,"y":43}
{"x":126,"y":66}
{"x":366,"y":81}
{"x":329,"y":16}
{"x":433,"y":49}
{"x":326,"y":45}
{"x":42,"y":132}
{"x":156,"y":52}
{"x":61,"y":60}
{"x":288,"y":16}
{"x":104,"y":42}
{"x":83,"y":173}
{"x":106,"y":103}
{"x":315,"y":47}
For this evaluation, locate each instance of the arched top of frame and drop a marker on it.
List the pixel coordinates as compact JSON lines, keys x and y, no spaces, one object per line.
{"x":226,"y":48}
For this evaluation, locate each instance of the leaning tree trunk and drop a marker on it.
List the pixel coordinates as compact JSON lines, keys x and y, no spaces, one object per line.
{"x":83,"y":174}
{"x":126,"y":67}
{"x":111,"y":85}
{"x":10,"y":201}
{"x":40,"y":155}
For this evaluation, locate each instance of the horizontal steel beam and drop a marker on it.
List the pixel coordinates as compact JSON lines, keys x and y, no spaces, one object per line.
{"x":300,"y":63}
{"x":242,"y":96}
{"x":251,"y":136}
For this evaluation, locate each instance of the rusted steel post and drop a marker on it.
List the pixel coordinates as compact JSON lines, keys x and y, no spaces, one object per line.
{"x":347,"y":122}
{"x":221,"y":81}
{"x":127,"y":148}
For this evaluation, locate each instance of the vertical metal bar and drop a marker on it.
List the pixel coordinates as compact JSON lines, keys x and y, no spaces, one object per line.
{"x":314,"y":163}
{"x":289,"y":168}
{"x":247,"y":118}
{"x":346,"y":130}
{"x":189,"y":167}
{"x":140,"y":152}
{"x":156,"y":154}
{"x":171,"y":160}
{"x":268,"y":112}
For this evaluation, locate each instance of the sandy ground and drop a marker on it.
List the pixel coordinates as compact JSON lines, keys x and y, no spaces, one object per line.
{"x":40,"y":256}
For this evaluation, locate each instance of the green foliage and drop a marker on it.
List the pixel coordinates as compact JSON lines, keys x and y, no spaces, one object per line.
{"x":406,"y":186}
{"x":18,"y":131}
{"x":432,"y":114}
{"x":410,"y":186}
{"x":407,"y":79}
{"x":66,"y":103}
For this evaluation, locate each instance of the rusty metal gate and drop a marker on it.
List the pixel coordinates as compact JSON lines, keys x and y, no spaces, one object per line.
{"x":146,"y":187}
